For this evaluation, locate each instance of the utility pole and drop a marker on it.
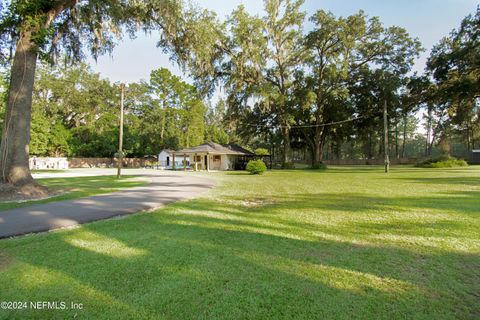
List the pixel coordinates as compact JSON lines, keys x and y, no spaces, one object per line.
{"x":385,"y":136}
{"x":120,"y":135}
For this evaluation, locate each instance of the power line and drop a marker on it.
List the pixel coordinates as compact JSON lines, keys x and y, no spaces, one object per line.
{"x":326,"y":124}
{"x":310,"y":125}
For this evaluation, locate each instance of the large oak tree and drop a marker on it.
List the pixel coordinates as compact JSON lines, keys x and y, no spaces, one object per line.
{"x":33,"y":29}
{"x":338,"y":47}
{"x":454,"y":64}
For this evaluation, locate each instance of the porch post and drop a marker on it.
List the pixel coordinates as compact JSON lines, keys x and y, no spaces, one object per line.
{"x":208,"y":162}
{"x":184,"y":162}
{"x":173,"y":161}
{"x":195,"y":161}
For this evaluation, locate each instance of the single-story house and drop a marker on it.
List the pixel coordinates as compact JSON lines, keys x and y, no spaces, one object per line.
{"x":165,"y":159}
{"x":214,"y":156}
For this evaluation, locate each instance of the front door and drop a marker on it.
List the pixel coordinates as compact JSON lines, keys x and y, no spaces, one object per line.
{"x":206,"y":162}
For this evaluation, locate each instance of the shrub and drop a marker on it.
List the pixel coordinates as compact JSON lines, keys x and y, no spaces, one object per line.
{"x":443,"y":161}
{"x":256,"y":167}
{"x":452,"y":163}
{"x":288,"y":165}
{"x":319,"y":165}
{"x":262,"y":152}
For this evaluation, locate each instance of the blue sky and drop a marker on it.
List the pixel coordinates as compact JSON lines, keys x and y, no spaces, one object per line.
{"x":429,"y":20}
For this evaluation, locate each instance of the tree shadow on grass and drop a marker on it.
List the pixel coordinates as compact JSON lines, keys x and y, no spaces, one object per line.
{"x":368,"y":169}
{"x":462,"y":202}
{"x":277,"y":223}
{"x":450,"y":220}
{"x":181,"y":263}
{"x":397,"y":169}
{"x":468,"y":181}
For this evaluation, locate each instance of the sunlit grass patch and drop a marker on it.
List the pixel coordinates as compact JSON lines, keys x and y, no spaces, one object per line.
{"x":102,"y":245}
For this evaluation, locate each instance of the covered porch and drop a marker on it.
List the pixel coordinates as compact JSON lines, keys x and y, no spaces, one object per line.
{"x":203,"y":161}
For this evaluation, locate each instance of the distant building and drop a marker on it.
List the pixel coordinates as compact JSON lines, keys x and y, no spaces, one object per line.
{"x":165,"y":160}
{"x":475,"y":157}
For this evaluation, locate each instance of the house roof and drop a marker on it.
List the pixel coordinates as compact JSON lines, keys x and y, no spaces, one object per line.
{"x":169,"y":151}
{"x":215,"y":148}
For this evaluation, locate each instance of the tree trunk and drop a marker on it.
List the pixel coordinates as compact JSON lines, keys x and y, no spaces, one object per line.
{"x":381,"y":145}
{"x":370,"y":146}
{"x":429,"y":132}
{"x":385,"y":137}
{"x":397,"y":153}
{"x":473,"y":140}
{"x":430,"y":144}
{"x":164,"y":120}
{"x":318,"y":144}
{"x":404,"y":135}
{"x":16,"y":131}
{"x":311,"y":147}
{"x":472,"y":130}
{"x":318,"y":153}
{"x":468,"y":136}
{"x":286,"y":145}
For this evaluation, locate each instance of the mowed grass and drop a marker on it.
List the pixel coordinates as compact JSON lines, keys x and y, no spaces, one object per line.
{"x":346,"y":243}
{"x":78,"y":187}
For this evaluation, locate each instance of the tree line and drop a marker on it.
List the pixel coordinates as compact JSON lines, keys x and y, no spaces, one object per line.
{"x":287,"y":86}
{"x":324,"y":90}
{"x":75,"y":113}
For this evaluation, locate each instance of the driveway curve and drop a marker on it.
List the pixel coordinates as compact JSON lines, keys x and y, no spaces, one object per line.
{"x":163,"y":189}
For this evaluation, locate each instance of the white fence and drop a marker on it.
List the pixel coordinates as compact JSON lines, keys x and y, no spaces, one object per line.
{"x":48,"y":163}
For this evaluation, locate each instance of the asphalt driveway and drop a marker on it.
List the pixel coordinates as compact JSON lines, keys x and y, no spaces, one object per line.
{"x":163,"y":189}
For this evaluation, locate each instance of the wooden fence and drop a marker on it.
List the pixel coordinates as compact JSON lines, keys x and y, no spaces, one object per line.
{"x":358,"y":162}
{"x":110,"y":162}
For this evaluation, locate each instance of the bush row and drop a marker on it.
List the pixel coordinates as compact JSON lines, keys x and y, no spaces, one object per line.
{"x":443,"y":161}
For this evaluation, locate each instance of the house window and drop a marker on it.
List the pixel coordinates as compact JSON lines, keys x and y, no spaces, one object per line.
{"x":198,"y":158}
{"x":216,"y":158}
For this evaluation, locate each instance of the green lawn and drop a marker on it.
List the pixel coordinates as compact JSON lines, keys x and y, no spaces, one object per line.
{"x":346,"y":243}
{"x":79,"y":187}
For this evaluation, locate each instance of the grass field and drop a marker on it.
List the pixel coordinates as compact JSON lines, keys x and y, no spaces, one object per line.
{"x":78,"y":187}
{"x":346,"y":243}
